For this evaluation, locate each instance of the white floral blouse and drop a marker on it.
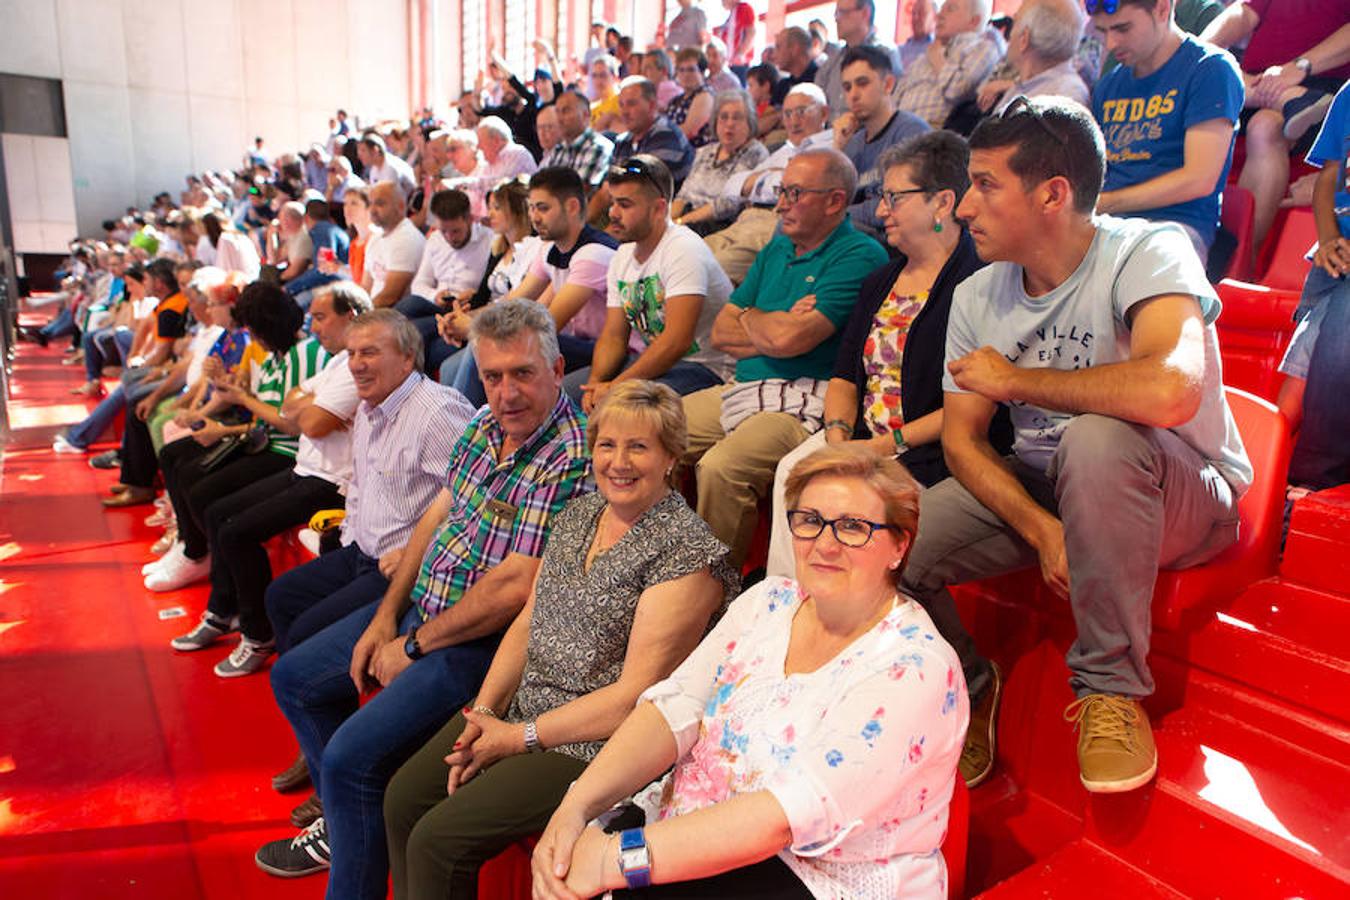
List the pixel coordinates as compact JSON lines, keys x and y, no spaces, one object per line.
{"x":861,"y":753}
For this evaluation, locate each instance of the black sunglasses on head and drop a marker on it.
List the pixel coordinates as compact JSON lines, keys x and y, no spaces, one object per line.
{"x":1020,"y":105}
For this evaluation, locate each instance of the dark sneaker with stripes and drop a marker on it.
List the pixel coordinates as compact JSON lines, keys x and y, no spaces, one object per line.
{"x":304,"y":854}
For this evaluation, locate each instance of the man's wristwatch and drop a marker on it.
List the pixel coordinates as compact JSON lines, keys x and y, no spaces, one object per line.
{"x":1304,"y":65}
{"x":411,"y":647}
{"x":635,"y":862}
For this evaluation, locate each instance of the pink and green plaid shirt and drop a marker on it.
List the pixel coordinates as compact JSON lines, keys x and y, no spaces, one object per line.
{"x":501,"y":508}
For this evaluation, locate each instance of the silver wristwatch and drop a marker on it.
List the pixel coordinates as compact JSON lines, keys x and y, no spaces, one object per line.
{"x":532,"y":738}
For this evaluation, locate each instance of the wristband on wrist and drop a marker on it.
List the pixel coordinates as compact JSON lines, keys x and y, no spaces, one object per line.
{"x":635,"y":861}
{"x":901,"y":445}
{"x":485,"y":711}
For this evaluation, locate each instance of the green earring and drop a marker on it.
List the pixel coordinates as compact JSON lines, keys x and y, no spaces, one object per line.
{"x":937,"y":226}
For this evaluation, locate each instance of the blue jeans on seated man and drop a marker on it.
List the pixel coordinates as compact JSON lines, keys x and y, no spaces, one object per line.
{"x":105,"y":347}
{"x":459,"y":370}
{"x":305,"y":600}
{"x":422,"y":313}
{"x":1322,"y":451}
{"x":135,"y":386}
{"x":683,"y":378}
{"x":307,"y":281}
{"x":60,"y":326}
{"x":354,"y":750}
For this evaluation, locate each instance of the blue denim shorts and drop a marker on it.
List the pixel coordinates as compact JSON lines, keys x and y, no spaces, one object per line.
{"x":1312,"y":309}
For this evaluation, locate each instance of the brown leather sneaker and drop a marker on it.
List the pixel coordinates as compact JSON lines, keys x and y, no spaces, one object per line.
{"x":307,"y":812}
{"x":1116,"y":752}
{"x":977,"y":755}
{"x":296,"y":775}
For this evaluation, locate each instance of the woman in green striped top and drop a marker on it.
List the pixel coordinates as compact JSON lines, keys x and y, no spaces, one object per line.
{"x":273,"y":320}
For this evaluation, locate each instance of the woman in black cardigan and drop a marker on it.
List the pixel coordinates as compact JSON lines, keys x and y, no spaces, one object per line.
{"x":886,"y":390}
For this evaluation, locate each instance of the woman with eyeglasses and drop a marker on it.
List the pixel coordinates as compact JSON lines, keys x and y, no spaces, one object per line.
{"x":886,"y":391}
{"x":814,"y":733}
{"x":691,"y":110}
{"x":701,"y":203}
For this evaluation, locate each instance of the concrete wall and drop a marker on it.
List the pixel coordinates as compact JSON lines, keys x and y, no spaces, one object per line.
{"x":155,"y":89}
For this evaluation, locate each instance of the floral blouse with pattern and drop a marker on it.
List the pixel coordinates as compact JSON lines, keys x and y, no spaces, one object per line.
{"x":882,"y":353}
{"x":861,"y":753}
{"x":582,"y":617}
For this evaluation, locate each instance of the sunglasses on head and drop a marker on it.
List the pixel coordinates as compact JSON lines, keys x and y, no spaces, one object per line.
{"x":1106,"y":6}
{"x":1020,"y":105}
{"x":639,"y":168}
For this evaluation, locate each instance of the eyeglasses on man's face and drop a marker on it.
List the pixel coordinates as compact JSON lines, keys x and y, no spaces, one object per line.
{"x":792,"y":193}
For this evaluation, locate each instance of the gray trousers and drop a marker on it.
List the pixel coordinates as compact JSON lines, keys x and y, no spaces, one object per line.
{"x":1131,"y":498}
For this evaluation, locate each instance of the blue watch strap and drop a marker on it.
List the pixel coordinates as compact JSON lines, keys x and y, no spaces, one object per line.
{"x":638,"y":874}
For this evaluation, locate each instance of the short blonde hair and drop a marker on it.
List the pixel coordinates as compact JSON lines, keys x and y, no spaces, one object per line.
{"x":898,"y":490}
{"x":649,"y":402}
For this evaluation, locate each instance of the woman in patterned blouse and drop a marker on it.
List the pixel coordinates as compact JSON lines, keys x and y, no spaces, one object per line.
{"x":814,"y":733}
{"x":700,"y":204}
{"x":886,"y":391}
{"x":629,"y":583}
{"x":691,"y":111}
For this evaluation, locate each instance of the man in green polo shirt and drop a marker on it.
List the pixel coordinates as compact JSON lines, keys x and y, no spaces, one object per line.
{"x":782,"y":327}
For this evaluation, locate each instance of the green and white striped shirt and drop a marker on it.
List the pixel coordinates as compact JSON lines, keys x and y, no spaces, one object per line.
{"x":275,"y":378}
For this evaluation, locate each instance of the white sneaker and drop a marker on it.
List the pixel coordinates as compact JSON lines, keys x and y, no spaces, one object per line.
{"x":178,"y":573}
{"x":246,"y":658}
{"x":63,"y":445}
{"x":174,"y":553}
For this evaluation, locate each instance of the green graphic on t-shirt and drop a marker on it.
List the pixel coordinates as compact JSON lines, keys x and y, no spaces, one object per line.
{"x":644,"y":303}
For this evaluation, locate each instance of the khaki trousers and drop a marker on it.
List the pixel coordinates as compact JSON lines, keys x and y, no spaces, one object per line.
{"x":736,"y":246}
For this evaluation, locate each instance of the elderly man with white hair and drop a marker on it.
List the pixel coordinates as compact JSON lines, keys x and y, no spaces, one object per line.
{"x":805,"y":115}
{"x":1041,"y":49}
{"x":963,"y":53}
{"x":500,"y":158}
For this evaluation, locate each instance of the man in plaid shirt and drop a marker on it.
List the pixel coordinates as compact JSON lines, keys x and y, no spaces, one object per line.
{"x":580,"y":149}
{"x":464,"y":576}
{"x":963,"y":53}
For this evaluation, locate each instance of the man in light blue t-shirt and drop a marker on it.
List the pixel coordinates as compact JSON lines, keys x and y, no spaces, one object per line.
{"x":1167,"y":113}
{"x":1098,"y":334}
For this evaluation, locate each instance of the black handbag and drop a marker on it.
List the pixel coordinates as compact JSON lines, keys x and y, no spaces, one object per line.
{"x":231,"y":446}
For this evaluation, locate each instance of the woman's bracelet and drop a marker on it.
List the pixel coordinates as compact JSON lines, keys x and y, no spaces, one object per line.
{"x":486,"y":711}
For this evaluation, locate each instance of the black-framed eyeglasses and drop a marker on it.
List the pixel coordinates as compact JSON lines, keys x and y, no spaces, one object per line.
{"x":894,"y":197}
{"x":1107,"y":6}
{"x":793,"y":193}
{"x":1020,"y":105}
{"x":850,"y":531}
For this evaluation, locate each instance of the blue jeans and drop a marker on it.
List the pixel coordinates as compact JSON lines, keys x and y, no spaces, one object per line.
{"x":105,"y":347}
{"x":1322,"y":452}
{"x":422,"y":313}
{"x":305,"y":600}
{"x":354,"y":750}
{"x":135,"y":387}
{"x":308,"y":280}
{"x":683,"y":378}
{"x":62,"y":325}
{"x":459,"y":370}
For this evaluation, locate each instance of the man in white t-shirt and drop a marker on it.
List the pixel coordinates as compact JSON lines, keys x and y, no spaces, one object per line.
{"x":239,"y":524}
{"x":1098,"y":334}
{"x":383,"y":166}
{"x":393,"y":256}
{"x":453,"y":262}
{"x":663,"y":286}
{"x":569,"y":274}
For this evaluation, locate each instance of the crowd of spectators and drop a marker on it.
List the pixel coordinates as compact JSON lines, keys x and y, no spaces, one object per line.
{"x":946,"y":301}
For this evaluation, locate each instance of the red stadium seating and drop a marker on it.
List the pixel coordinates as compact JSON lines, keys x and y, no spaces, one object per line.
{"x":1254,"y":330}
{"x":1238,"y":217}
{"x":1261,"y":511}
{"x":1283,"y":264}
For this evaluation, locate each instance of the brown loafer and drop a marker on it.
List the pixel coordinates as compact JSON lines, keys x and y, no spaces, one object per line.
{"x":118,"y":487}
{"x":307,"y":812}
{"x":297,"y":775}
{"x":132,"y":496}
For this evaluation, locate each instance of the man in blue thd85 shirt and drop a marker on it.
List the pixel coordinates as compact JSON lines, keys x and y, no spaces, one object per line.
{"x":1167,"y":113}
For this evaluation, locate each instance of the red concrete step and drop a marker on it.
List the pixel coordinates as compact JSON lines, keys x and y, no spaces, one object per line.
{"x":1281,"y":639}
{"x":1081,"y":869}
{"x":1315,"y":553}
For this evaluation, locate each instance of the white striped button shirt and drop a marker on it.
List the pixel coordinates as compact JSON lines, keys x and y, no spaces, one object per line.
{"x":400,"y":453}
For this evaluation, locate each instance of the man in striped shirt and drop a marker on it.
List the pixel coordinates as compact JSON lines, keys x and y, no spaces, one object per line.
{"x":464,"y":576}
